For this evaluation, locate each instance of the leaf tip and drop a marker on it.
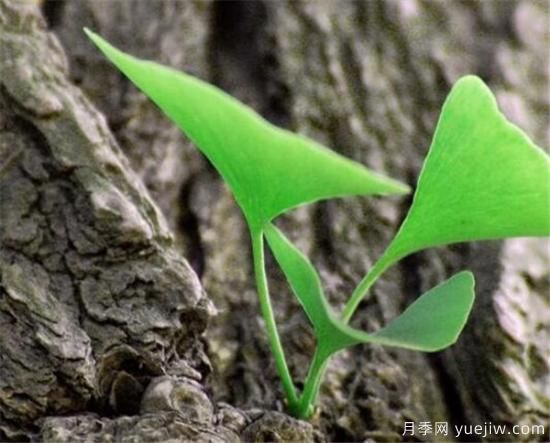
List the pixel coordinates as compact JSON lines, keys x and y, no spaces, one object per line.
{"x":467,"y":276}
{"x":96,"y":39}
{"x":392,"y":186}
{"x":469,"y":79}
{"x":472,"y":84}
{"x":91,"y":35}
{"x":402,"y":188}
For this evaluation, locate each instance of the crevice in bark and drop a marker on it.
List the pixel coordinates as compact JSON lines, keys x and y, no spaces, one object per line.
{"x":242,"y":59}
{"x":322,"y":217}
{"x":234,"y":43}
{"x":188,"y":224}
{"x":338,"y":433}
{"x":451,"y":394}
{"x":53,"y":12}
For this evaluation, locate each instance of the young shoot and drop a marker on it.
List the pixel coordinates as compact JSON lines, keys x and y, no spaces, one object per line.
{"x":482,"y":179}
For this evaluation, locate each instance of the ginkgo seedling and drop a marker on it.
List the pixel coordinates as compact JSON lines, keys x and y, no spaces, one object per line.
{"x":482,"y":179}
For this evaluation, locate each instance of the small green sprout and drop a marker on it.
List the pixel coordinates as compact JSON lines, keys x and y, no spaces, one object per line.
{"x":482,"y":179}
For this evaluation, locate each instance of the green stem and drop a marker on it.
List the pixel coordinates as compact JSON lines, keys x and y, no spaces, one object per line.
{"x":321,"y":357}
{"x":312,"y":383}
{"x":269,"y":318}
{"x":362,"y":288}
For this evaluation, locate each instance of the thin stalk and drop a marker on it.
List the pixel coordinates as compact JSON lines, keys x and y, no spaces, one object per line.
{"x":321,"y":358}
{"x":312,"y":383}
{"x":269,"y":318}
{"x":362,"y":288}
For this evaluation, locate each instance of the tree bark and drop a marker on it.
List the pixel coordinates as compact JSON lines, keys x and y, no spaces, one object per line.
{"x":107,"y":332}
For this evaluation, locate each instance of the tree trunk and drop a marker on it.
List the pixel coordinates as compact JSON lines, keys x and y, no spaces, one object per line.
{"x":107,"y":332}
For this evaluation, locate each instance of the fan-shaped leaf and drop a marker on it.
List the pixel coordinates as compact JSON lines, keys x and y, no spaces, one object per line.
{"x":435,"y":320}
{"x":482,"y":179}
{"x":269,"y":170}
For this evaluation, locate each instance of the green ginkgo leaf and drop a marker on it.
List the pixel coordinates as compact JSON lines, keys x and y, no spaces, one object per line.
{"x":435,"y":319}
{"x":433,"y":322}
{"x":269,"y":170}
{"x":482,"y":179}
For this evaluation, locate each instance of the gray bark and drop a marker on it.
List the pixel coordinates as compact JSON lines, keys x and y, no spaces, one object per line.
{"x":107,"y":332}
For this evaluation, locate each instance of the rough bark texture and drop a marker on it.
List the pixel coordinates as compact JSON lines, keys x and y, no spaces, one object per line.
{"x":101,"y":317}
